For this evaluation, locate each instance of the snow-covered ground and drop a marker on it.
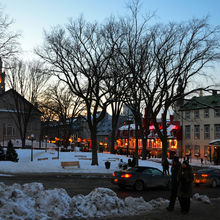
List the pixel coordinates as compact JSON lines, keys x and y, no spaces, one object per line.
{"x":25,"y":165}
{"x":32,"y":201}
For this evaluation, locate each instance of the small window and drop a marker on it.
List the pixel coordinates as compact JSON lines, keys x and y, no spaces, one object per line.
{"x":196,"y":113}
{"x":206,"y":150}
{"x":206,"y":113}
{"x":188,"y":150}
{"x":217,"y":131}
{"x":196,"y":131}
{"x":187,"y":115}
{"x":217,"y":112}
{"x":187,"y":132}
{"x":206,"y":131}
{"x":197,"y":150}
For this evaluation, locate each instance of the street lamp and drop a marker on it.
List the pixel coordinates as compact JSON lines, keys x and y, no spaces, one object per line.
{"x":46,"y":143}
{"x":32,"y":139}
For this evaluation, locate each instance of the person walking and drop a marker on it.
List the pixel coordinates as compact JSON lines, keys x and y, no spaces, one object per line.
{"x":175,"y":169}
{"x":165,"y":165}
{"x":185,"y":186}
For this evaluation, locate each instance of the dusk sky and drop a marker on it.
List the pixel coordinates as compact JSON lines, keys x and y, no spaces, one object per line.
{"x":33,"y":16}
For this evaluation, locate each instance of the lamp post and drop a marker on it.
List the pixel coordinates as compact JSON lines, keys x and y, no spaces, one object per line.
{"x":32,"y":139}
{"x":46,"y":143}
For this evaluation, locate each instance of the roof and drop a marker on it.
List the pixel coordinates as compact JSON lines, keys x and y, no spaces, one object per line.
{"x":21,"y":97}
{"x":201,"y":102}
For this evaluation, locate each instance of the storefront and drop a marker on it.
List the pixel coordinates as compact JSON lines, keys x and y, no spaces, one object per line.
{"x":214,"y":151}
{"x":126,"y":141}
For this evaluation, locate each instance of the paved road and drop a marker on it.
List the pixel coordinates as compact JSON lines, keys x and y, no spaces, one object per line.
{"x":84,"y":184}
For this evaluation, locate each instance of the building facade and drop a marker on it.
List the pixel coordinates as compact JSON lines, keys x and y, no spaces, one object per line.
{"x":16,"y":113}
{"x":200,"y":119}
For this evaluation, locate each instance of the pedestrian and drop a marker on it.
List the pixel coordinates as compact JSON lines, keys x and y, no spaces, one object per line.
{"x":175,"y":169}
{"x":122,"y":165}
{"x":185,"y":186}
{"x":133,"y":162}
{"x":165,"y":165}
{"x":201,"y":161}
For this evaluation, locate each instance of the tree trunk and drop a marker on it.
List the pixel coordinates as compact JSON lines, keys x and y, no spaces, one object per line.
{"x":94,"y":148}
{"x":136,"y":146}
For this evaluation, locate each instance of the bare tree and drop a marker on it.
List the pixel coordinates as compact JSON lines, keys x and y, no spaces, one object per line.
{"x":65,"y":107}
{"x":79,"y":56}
{"x":181,"y":52}
{"x":27,"y":82}
{"x":134,"y":59}
{"x":9,"y":46}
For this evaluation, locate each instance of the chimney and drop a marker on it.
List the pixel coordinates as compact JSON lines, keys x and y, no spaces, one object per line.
{"x":200,"y":93}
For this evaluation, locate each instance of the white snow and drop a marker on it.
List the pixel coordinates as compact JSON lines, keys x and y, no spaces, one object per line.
{"x":202,"y":198}
{"x":32,"y":201}
{"x":25,"y":165}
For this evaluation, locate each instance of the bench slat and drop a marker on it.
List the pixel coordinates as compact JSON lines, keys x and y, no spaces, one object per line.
{"x":70,"y":164}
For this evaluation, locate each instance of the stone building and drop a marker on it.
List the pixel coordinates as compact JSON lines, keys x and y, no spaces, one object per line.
{"x":200,"y":118}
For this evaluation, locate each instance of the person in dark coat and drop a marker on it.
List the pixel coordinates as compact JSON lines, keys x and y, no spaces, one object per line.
{"x":175,"y":169}
{"x":165,"y":165}
{"x":185,"y":186}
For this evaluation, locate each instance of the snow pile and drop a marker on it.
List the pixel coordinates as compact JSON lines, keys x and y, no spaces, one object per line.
{"x":32,"y":201}
{"x":202,"y":198}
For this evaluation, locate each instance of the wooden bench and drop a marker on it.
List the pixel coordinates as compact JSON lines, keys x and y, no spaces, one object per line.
{"x":45,"y":158}
{"x":83,"y":158}
{"x":113,"y":158}
{"x":70,"y":164}
{"x":110,"y":160}
{"x":55,"y":158}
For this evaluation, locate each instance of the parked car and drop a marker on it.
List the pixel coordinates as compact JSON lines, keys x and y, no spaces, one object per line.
{"x":209,"y":176}
{"x":140,"y":178}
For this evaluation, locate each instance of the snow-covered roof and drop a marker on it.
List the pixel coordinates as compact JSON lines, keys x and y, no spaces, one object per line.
{"x":127,"y":127}
{"x":216,"y":141}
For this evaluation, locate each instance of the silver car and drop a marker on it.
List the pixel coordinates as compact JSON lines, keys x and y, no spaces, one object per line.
{"x":140,"y":178}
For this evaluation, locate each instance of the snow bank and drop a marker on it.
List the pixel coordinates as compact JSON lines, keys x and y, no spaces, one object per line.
{"x":32,"y":201}
{"x":202,"y":198}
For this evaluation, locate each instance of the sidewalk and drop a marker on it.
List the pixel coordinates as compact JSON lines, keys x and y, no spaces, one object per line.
{"x":199,"y":211}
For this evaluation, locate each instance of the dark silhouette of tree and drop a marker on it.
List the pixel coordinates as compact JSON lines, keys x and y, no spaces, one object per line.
{"x":80,"y":56}
{"x":181,"y":52}
{"x":64,"y":106}
{"x":2,"y":153}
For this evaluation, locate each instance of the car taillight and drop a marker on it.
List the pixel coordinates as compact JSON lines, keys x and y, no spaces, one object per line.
{"x":127,"y":175}
{"x":113,"y":174}
{"x":205,"y":175}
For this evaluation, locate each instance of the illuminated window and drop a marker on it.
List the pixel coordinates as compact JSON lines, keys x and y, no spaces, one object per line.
{"x":196,"y":131}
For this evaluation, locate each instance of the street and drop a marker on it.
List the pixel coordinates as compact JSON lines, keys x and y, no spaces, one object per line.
{"x":84,"y":184}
